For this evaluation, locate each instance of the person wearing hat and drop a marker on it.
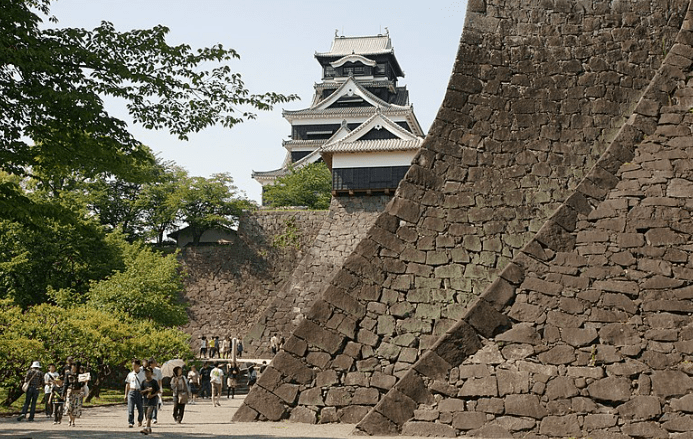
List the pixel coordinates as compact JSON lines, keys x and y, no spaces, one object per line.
{"x":34,"y":380}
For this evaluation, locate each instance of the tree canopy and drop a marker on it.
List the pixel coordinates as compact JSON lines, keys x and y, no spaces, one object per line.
{"x":52,"y":84}
{"x":309,"y":186}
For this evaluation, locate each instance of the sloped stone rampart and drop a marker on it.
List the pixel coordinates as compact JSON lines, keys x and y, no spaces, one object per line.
{"x":346,"y":224}
{"x":227,"y":285}
{"x":586,"y":332}
{"x":539,"y":89}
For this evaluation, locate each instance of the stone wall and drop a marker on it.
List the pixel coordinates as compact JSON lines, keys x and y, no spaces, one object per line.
{"x":346,"y":224}
{"x":539,"y":90}
{"x":588,"y":332}
{"x":228,"y":286}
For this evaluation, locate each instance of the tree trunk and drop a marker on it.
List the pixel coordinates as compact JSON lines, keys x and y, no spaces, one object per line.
{"x":13,"y":394}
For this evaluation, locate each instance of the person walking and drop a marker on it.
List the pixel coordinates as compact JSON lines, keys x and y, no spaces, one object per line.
{"x":33,"y":380}
{"x":57,"y":400}
{"x":223,"y":348}
{"x":239,"y":347}
{"x":133,"y":385}
{"x":194,"y":381}
{"x":73,"y":389}
{"x":232,"y":372}
{"x":150,"y":396}
{"x":181,"y":393}
{"x":158,"y":376}
{"x":216,"y":378}
{"x":252,"y":376}
{"x":274,"y":344}
{"x":48,"y":380}
{"x":203,"y":347}
{"x":205,"y":386}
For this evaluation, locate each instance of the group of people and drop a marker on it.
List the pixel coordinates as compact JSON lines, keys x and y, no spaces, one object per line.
{"x":63,"y":391}
{"x":214,"y":347}
{"x":143,"y":388}
{"x":276,"y":343}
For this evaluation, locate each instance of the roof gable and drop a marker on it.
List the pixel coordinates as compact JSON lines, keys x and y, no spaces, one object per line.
{"x":378,"y":122}
{"x":350,"y":88}
{"x":353,"y":58}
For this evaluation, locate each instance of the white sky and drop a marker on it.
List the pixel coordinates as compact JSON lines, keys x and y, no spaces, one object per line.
{"x":277,"y":40}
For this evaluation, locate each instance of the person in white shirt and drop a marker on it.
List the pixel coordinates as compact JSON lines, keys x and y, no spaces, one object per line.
{"x":216,"y":378}
{"x":274,"y":344}
{"x":48,"y":380}
{"x":133,"y":385}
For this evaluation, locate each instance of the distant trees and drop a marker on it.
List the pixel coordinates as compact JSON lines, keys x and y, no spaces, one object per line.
{"x":309,"y":186}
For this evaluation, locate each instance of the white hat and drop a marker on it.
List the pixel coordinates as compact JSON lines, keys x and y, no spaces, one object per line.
{"x":36,"y":365}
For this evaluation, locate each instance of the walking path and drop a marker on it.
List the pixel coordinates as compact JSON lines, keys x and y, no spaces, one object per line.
{"x":201,"y":420}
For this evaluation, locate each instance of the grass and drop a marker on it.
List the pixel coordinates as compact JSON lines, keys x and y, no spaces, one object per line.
{"x":108,"y":396}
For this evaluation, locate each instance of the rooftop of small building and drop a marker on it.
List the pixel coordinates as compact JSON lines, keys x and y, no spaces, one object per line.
{"x":360,"y":45}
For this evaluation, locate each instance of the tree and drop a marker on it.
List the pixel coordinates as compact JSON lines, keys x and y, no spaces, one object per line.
{"x":207,"y":203}
{"x":149,"y":288}
{"x":309,"y":186}
{"x":158,"y":202}
{"x":100,"y":340}
{"x":52,"y":82}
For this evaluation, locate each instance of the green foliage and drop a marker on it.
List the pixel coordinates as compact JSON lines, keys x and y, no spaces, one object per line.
{"x":52,"y":253}
{"x":149,"y":287}
{"x":52,"y":82}
{"x":309,"y":186}
{"x":207,"y":203}
{"x":291,"y":237}
{"x":49,"y":334}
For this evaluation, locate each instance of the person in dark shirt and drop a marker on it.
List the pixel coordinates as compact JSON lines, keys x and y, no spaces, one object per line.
{"x":150,"y":392}
{"x":34,"y":379}
{"x":57,"y":400}
{"x":205,"y":381}
{"x":232,"y":372}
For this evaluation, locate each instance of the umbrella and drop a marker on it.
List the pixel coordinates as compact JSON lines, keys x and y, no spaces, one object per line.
{"x":167,"y":367}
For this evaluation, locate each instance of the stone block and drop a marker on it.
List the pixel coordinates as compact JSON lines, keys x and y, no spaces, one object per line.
{"x":303,"y":415}
{"x":578,"y":337}
{"x":613,"y":389}
{"x":459,"y":343}
{"x":270,"y":379}
{"x":598,"y":421}
{"x":520,"y":333}
{"x":427,"y":429}
{"x":561,"y":387}
{"x":265,"y":403}
{"x":640,"y":408}
{"x":524,"y":405}
{"x":342,"y":362}
{"x":499,"y":293}
{"x":541,"y":286}
{"x":525,"y":312}
{"x":645,"y":430}
{"x":668,"y":383}
{"x":287,"y":392}
{"x":513,"y":424}
{"x":560,"y":426}
{"x":383,"y":381}
{"x":328,"y":415}
{"x":475,"y":387}
{"x":245,"y":414}
{"x":375,"y":424}
{"x":296,"y":346}
{"x":326,"y":378}
{"x":486,"y":320}
{"x":315,"y":335}
{"x":468,"y":420}
{"x":292,"y":368}
{"x":510,"y":381}
{"x":366,"y":396}
{"x":311,"y":396}
{"x":396,"y":407}
{"x":345,"y":302}
{"x":451,"y":405}
{"x":414,"y":387}
{"x":490,"y":431}
{"x":561,"y":354}
{"x":432,"y":365}
{"x":318,"y":359}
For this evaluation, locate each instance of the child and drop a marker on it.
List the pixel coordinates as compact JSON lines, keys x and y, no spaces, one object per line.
{"x":57,"y":401}
{"x":150,"y":391}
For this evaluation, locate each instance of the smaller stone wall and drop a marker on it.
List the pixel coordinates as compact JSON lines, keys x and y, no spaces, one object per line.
{"x":229,"y":286}
{"x":347,"y":223}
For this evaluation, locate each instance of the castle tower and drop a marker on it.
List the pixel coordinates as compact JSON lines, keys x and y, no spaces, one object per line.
{"x":360,"y":121}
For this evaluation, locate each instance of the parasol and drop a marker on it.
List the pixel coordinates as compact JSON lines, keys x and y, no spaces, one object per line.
{"x":167,"y":367}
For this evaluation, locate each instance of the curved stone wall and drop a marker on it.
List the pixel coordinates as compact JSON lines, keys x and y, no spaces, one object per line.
{"x":539,"y":89}
{"x":588,"y":332}
{"x":346,"y":224}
